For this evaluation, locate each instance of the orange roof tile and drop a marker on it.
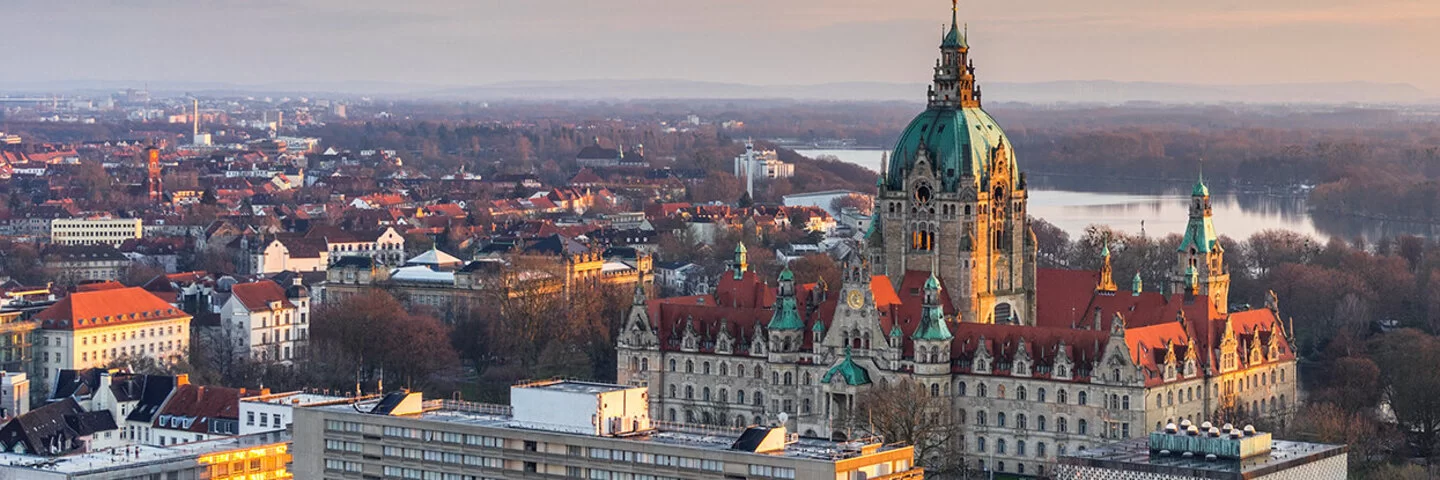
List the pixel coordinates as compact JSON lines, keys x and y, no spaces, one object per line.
{"x":106,"y":308}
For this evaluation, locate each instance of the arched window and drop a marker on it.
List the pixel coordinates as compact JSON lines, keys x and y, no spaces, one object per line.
{"x":789,"y":378}
{"x":1020,"y":421}
{"x":807,"y":379}
{"x":1000,"y":419}
{"x":724,"y":395}
{"x":1061,"y":396}
{"x":1082,"y":398}
{"x":775,"y":378}
{"x":1158,"y":402}
{"x":1020,"y":393}
{"x":759,"y":399}
{"x":1062,"y":425}
{"x":739,"y":420}
{"x":740,"y":397}
{"x":805,"y":406}
{"x":1000,"y":447}
{"x":759,"y":374}
{"x":980,"y":418}
{"x":1020,"y":447}
{"x":672,"y":390}
{"x":634,"y":363}
{"x":1040,"y":423}
{"x":689,"y":366}
{"x":1082,"y":427}
{"x":1170,"y":397}
{"x":724,"y":369}
{"x":980,"y":444}
{"x":934,"y":389}
{"x":960,"y":389}
{"x":1125,"y":401}
{"x":672,"y":364}
{"x":981,"y":390}
{"x":1040,"y":395}
{"x":706,"y":368}
{"x":689,"y":416}
{"x":757,"y":420}
{"x":670,"y":415}
{"x":689,"y":392}
{"x":705,"y":394}
{"x":1040,"y":449}
{"x":644,"y":364}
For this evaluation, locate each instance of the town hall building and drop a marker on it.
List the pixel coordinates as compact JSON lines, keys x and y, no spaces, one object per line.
{"x":945,"y":293}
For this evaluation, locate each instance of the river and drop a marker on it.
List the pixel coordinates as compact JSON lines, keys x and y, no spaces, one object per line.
{"x":1073,"y":203}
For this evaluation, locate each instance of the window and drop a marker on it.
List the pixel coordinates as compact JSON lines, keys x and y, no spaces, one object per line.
{"x":1061,"y":397}
{"x":1000,"y":419}
{"x":934,"y":389}
{"x":1040,"y":395}
{"x":980,"y":444}
{"x":980,"y":390}
{"x":980,"y":418}
{"x":1125,"y":401}
{"x":689,"y":392}
{"x":1061,"y":425}
{"x":1020,"y":447}
{"x":1082,"y":427}
{"x":1082,"y":398}
{"x":788,"y":378}
{"x":740,"y":397}
{"x":706,"y":368}
{"x":672,"y":364}
{"x":1020,"y":393}
{"x":1000,"y":447}
{"x":1040,"y":423}
{"x":960,"y":389}
{"x":689,"y":366}
{"x":1040,"y":449}
{"x":1020,"y":421}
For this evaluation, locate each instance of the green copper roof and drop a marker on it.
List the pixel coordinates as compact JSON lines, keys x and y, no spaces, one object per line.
{"x":932,"y":325}
{"x":955,"y":38}
{"x":786,"y":275}
{"x":895,"y":332}
{"x":818,"y":327}
{"x":786,"y":316}
{"x":932,"y":283}
{"x":1200,"y":233}
{"x":740,"y":247}
{"x":959,"y":142}
{"x":1106,"y":251}
{"x":854,"y":374}
{"x":873,"y":234}
{"x":1136,"y":285}
{"x":1200,"y":189}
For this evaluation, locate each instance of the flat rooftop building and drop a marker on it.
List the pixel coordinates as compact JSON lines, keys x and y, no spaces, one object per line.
{"x":1205,"y":451}
{"x":264,"y":456}
{"x":565,"y":429}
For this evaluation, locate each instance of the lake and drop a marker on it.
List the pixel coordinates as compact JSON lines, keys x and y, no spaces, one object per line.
{"x":1162,"y":208}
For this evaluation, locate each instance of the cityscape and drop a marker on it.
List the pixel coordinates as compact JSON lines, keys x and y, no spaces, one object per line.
{"x":957,"y":272}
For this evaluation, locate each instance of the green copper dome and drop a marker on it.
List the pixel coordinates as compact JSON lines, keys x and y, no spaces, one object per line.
{"x":853,"y":373}
{"x":959,"y":142}
{"x":932,"y":283}
{"x":1200,"y":189}
{"x":786,"y":316}
{"x":786,"y":275}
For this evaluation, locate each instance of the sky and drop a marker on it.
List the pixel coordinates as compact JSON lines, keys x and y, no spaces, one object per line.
{"x":761,"y":42}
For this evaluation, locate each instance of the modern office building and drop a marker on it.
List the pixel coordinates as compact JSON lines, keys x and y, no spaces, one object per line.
{"x":260,"y":456}
{"x":94,"y":231}
{"x":565,"y":429}
{"x":1205,"y":451}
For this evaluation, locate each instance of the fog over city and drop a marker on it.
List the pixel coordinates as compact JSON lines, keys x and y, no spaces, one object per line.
{"x":432,"y":43}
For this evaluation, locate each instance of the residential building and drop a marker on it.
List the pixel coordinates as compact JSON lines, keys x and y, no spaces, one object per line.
{"x":131,"y":399}
{"x":195,"y":413}
{"x":264,"y":455}
{"x":14,"y":394}
{"x":57,"y":429}
{"x":319,"y":247}
{"x":96,"y":328}
{"x":264,"y":322}
{"x":764,"y":164}
{"x":1206,"y":451}
{"x":944,"y":292}
{"x":564,"y":428}
{"x":16,"y":341}
{"x":74,"y":264}
{"x":276,"y":411}
{"x":94,"y":231}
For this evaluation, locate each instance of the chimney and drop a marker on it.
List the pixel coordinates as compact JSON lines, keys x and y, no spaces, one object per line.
{"x":182,"y":379}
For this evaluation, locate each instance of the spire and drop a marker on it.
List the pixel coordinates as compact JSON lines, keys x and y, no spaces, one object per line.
{"x":955,"y":38}
{"x":1106,"y":285}
{"x":741,"y":263}
{"x":954,"y":85}
{"x":1136,"y":285}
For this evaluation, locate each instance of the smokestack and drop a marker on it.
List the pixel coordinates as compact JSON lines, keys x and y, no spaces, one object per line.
{"x":197,"y":119}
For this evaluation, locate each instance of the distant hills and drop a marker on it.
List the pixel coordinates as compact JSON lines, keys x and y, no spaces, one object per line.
{"x":1098,"y":91}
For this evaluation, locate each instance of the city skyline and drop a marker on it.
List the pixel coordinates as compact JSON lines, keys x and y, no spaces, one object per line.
{"x":437,"y":43}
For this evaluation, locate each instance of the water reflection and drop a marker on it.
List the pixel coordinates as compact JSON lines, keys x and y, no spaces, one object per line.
{"x":1073,"y":203}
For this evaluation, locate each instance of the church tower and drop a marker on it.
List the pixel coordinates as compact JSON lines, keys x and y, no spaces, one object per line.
{"x":152,"y":170}
{"x":1200,"y":267}
{"x":951,"y":189}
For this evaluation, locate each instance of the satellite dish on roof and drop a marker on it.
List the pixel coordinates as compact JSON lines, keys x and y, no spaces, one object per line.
{"x":783,"y":417}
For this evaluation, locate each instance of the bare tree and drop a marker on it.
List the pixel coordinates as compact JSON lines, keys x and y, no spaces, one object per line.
{"x":906,"y":412}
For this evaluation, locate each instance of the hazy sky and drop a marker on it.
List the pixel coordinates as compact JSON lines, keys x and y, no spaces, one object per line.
{"x":471,"y":42}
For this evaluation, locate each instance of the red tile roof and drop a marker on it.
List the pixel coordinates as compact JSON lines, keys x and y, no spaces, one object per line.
{"x":203,"y":405}
{"x":257,"y":296}
{"x":106,"y":308}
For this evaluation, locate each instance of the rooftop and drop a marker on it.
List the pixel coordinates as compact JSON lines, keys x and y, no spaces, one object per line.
{"x":1135,"y":454}
{"x":137,"y":456}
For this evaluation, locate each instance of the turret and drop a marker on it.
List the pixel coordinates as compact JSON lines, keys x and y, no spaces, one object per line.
{"x":932,"y":336}
{"x":1106,"y":285}
{"x":741,"y":262}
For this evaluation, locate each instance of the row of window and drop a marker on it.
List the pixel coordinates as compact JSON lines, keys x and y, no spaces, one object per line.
{"x":131,"y":335}
{"x":264,"y":419}
{"x":1062,"y":424}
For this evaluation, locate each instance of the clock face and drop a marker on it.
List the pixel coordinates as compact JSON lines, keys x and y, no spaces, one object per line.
{"x":855,"y":299}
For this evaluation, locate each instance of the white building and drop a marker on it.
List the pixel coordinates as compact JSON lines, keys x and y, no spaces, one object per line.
{"x":94,"y":329}
{"x":264,"y":322}
{"x":14,"y":394}
{"x":269,"y":412}
{"x":94,"y":231}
